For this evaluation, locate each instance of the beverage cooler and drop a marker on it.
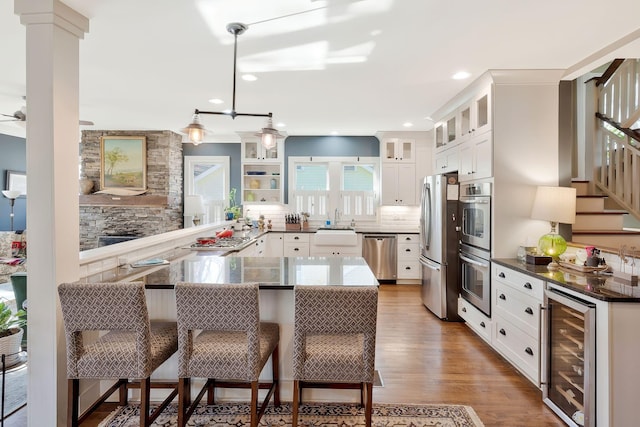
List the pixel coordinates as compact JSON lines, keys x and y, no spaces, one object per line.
{"x":569,"y":386}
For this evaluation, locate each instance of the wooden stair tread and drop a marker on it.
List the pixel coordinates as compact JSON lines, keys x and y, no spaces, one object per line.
{"x":617,"y":232}
{"x":607,"y":212}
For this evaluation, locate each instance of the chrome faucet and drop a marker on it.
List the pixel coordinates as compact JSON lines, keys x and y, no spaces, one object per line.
{"x":336,"y":217}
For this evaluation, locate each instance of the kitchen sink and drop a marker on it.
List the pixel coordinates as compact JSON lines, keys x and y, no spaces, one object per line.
{"x":336,"y":227}
{"x":336,"y":237}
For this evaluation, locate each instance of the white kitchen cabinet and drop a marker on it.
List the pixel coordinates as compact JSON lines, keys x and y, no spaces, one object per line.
{"x":475,"y":117}
{"x":253,"y":151}
{"x":475,"y":319}
{"x":476,"y":158}
{"x":275,"y":244}
{"x":399,"y":184}
{"x":395,"y":150}
{"x":447,"y":161}
{"x":296,"y":244}
{"x":408,"y":250}
{"x":516,"y":301}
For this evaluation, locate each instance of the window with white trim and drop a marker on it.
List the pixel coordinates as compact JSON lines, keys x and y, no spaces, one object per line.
{"x":320,"y":185}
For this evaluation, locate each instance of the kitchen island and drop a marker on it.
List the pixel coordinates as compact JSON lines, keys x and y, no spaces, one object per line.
{"x":276,"y":277}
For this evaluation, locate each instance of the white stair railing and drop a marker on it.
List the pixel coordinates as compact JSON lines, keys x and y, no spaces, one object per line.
{"x":617,"y":155}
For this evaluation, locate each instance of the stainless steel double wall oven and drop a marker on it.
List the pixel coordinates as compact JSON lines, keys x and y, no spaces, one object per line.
{"x":475,"y":245}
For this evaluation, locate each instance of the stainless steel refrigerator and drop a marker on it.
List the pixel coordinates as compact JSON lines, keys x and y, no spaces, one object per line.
{"x":439,"y":245}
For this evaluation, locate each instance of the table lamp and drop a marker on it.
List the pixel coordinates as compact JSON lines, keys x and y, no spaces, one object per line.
{"x":12,"y":195}
{"x":194,"y":207}
{"x":556,"y":205}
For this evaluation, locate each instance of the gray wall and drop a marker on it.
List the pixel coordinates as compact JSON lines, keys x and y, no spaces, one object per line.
{"x":13,"y":156}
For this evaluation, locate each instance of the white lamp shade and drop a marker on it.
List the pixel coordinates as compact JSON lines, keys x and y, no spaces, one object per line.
{"x":555,"y":204}
{"x":11,"y":194}
{"x":193,"y":205}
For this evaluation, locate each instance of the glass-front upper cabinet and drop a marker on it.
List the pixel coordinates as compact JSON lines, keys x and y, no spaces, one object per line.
{"x":398,"y":150}
{"x":252,"y":150}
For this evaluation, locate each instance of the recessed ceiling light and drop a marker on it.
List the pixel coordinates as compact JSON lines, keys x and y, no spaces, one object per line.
{"x":216,"y":101}
{"x":407,"y":124}
{"x":461,"y":75}
{"x":334,"y":132}
{"x":249,"y":77}
{"x":375,"y":33}
{"x":281,"y":125}
{"x":428,"y":118}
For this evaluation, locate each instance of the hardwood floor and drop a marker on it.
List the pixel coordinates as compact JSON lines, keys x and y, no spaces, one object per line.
{"x":422,"y":359}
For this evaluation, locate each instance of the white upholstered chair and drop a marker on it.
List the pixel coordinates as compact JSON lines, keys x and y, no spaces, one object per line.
{"x":334,"y":341}
{"x":132,"y":348}
{"x":221,"y":338}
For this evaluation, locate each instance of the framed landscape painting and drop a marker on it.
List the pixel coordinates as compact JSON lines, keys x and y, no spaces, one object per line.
{"x":123,"y":162}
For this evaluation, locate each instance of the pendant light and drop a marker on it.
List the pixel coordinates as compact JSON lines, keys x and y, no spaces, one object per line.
{"x":196,"y":130}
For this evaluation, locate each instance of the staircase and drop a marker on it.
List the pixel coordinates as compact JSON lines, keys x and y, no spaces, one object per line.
{"x":600,"y":221}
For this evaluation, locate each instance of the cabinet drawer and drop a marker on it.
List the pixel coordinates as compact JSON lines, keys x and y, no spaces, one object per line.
{"x":409,"y":269}
{"x":475,"y":319}
{"x":524,"y":283}
{"x":296,"y":238}
{"x":408,"y":251}
{"x":296,"y":249}
{"x":517,"y":346}
{"x":519,"y":309}
{"x":408,"y":238}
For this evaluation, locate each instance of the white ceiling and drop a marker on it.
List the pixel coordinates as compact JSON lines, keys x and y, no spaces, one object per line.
{"x":351,"y":66}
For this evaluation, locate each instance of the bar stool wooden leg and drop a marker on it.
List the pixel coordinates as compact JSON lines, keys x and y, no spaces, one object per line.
{"x":275,"y":361}
{"x":369,"y":407}
{"x":183,"y":403}
{"x":73,"y":387}
{"x":211,"y":392}
{"x":254,"y":403}
{"x":124,"y":392}
{"x":145,"y":391}
{"x":296,"y":403}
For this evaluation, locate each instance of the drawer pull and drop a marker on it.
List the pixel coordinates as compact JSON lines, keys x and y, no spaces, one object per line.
{"x":296,"y":238}
{"x":407,"y":250}
{"x":528,"y":310}
{"x":502,"y":297}
{"x":407,"y":268}
{"x":528,"y":351}
{"x":482,"y":324}
{"x":407,"y":238}
{"x":503,"y":332}
{"x":296,"y":249}
{"x":501,"y":275}
{"x":464,"y":309}
{"x":528,"y":286}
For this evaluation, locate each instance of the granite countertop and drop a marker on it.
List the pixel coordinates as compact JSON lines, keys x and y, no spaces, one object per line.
{"x":600,"y":286}
{"x":269,"y":272}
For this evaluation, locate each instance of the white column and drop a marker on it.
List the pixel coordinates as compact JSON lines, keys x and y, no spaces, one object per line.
{"x":53,"y":31}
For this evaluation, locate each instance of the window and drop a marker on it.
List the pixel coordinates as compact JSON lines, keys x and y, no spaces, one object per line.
{"x":320,"y":186}
{"x":209,"y":177}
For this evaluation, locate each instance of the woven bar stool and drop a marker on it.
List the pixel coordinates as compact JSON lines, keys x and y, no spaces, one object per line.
{"x":334,"y":341}
{"x":231,"y":348}
{"x":131,"y":350}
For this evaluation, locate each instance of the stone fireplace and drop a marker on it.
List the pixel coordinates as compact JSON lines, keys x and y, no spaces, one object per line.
{"x":157,"y":211}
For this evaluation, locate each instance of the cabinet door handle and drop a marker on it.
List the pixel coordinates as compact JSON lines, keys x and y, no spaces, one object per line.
{"x":464,"y":309}
{"x":502,"y":297}
{"x":528,"y":351}
{"x":528,"y":286}
{"x":501,"y":275}
{"x":482,"y":324}
{"x":528,"y":310}
{"x":503,"y":332}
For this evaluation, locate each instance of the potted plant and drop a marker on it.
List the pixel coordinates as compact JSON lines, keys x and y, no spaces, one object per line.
{"x":233,"y":211}
{"x":11,"y":333}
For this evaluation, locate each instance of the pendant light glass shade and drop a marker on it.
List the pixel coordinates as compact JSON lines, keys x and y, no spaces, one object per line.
{"x":195,"y":131}
{"x":269,"y":135}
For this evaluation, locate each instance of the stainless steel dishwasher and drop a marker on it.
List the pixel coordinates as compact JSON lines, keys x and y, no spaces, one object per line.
{"x":380,"y":252}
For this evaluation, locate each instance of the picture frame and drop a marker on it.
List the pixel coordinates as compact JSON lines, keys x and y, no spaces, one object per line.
{"x":16,"y":180}
{"x":123,"y":162}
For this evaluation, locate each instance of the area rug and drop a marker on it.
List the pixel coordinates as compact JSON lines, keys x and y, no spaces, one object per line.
{"x":311,"y":414}
{"x":15,"y":389}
